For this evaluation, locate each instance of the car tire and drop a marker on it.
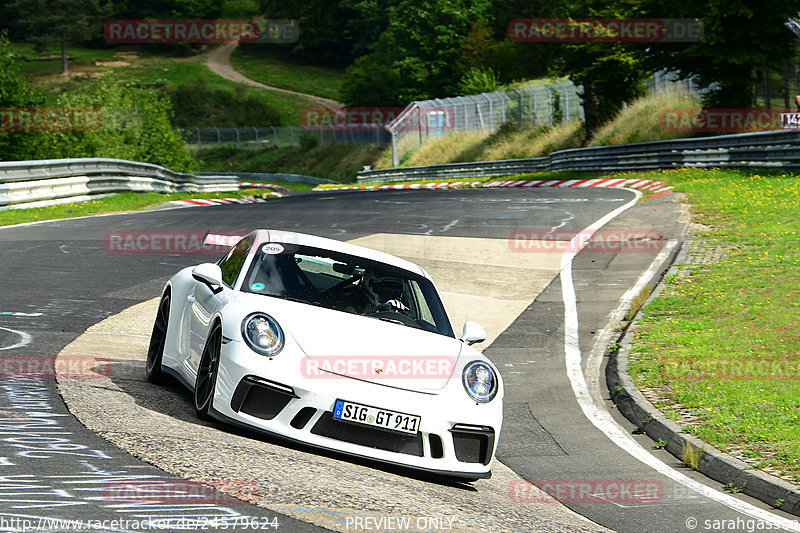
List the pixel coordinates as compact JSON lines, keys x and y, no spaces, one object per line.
{"x":206,"y":381}
{"x":158,"y":339}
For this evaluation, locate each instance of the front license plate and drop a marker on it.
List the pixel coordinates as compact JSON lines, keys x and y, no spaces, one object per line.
{"x":379,"y":418}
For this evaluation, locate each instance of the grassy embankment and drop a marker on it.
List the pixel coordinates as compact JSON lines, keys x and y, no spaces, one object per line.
{"x":151,"y":67}
{"x":723,"y":344}
{"x":637,"y":123}
{"x":274,"y":68}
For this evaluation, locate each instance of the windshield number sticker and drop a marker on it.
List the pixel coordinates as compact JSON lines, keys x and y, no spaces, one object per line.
{"x":272,"y":248}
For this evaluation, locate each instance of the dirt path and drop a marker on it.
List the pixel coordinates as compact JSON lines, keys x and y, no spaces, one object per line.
{"x":218,"y":60}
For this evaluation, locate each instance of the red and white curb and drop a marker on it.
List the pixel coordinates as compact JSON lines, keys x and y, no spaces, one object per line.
{"x":216,"y":201}
{"x":442,"y":185}
{"x":277,"y":191}
{"x":649,"y":185}
{"x":271,"y":186}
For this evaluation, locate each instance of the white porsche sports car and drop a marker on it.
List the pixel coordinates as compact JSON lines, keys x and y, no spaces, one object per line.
{"x":333,"y":345}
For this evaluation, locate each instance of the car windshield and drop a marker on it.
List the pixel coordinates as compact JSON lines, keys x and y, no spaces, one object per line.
{"x":348,"y":284}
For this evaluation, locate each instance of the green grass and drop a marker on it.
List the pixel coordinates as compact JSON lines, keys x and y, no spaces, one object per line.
{"x":148,"y":67}
{"x":508,"y":142}
{"x":119,"y":203}
{"x":641,"y":121}
{"x":235,"y":9}
{"x":724,"y":345}
{"x":48,"y":61}
{"x":263,"y":63}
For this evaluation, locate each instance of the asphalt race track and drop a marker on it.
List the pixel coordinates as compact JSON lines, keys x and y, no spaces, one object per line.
{"x":59,"y":279}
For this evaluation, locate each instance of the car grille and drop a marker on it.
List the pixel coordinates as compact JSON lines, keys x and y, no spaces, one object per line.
{"x":327,"y":426}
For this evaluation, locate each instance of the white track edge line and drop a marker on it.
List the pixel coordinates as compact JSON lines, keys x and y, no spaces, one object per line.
{"x":601,"y":418}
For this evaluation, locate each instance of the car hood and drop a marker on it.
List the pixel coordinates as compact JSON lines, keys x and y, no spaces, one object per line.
{"x":338,"y":344}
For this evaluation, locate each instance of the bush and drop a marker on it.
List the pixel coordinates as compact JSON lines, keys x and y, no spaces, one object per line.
{"x":308,"y":142}
{"x":136,"y":126}
{"x":479,"y":80}
{"x":197,"y":104}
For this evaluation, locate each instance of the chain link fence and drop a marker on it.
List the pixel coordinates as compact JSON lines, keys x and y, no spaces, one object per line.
{"x":284,"y":136}
{"x":664,"y":80}
{"x":528,"y":106}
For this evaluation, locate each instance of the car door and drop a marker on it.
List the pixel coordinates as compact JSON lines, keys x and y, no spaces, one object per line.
{"x":205,"y":303}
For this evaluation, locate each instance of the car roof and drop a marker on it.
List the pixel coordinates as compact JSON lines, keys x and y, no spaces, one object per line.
{"x":303,"y":239}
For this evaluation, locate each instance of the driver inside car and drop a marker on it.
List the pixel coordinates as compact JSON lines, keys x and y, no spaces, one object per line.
{"x":383,"y":293}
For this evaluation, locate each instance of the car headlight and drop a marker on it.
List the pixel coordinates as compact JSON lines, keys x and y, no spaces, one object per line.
{"x":262,"y":333}
{"x":480,"y":381}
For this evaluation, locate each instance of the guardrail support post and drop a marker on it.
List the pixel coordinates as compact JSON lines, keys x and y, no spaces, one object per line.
{"x":566,"y":103}
{"x":491,"y":112}
{"x":552,"y":111}
{"x":519,"y":106}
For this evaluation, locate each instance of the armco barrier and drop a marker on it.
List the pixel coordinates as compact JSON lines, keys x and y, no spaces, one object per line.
{"x":271,"y":176}
{"x":32,"y":183}
{"x":774,"y":149}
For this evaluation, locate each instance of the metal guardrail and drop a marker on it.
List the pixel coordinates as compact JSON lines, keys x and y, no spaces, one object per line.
{"x":272,"y":136}
{"x":776,"y":149}
{"x":271,"y":176}
{"x":43,"y":182}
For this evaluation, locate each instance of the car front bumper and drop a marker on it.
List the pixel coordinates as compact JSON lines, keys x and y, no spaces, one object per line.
{"x":456,"y":437}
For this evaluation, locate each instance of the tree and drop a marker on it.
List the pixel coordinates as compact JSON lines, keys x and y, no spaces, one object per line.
{"x":15,"y":92}
{"x":168,"y":9}
{"x":611,"y":73}
{"x":322,"y":23}
{"x":418,"y":56}
{"x":332,"y":32}
{"x":60,"y":21}
{"x":739,"y":36}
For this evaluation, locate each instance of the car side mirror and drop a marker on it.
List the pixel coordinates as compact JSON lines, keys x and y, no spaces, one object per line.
{"x":210,"y":274}
{"x":472,"y":333}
